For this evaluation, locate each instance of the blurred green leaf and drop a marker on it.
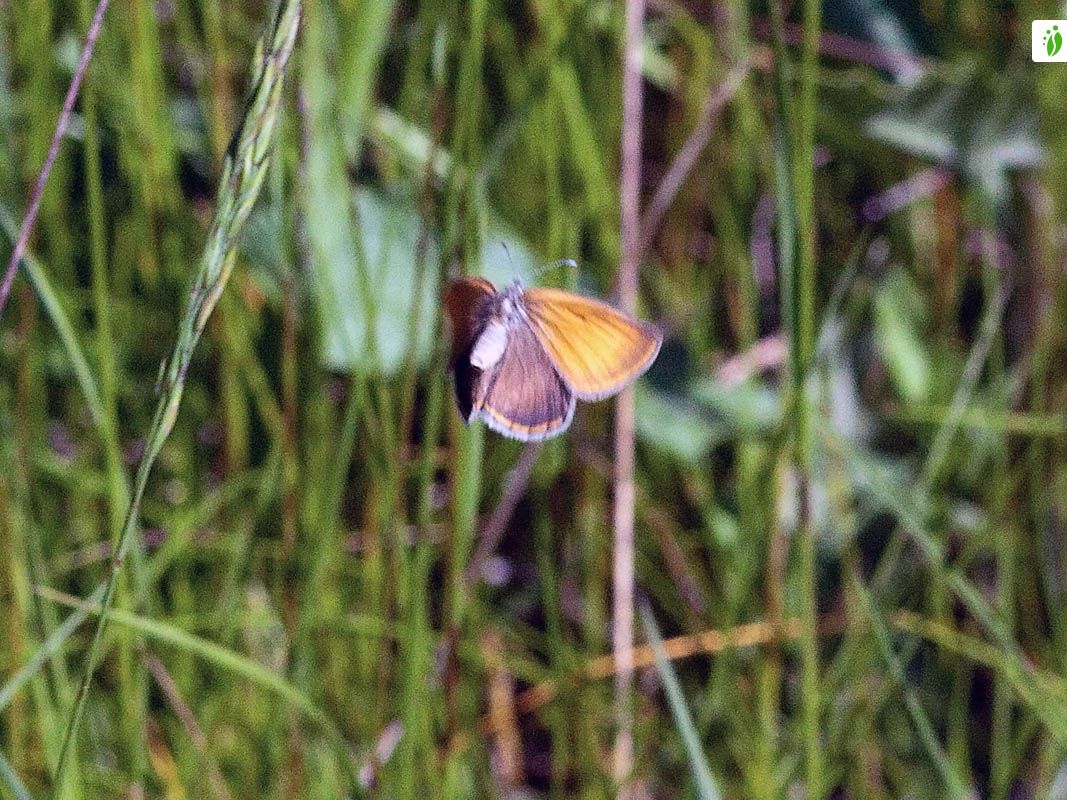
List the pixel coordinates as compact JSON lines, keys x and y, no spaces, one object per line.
{"x":408,"y":143}
{"x":674,"y":425}
{"x":710,"y":414}
{"x":390,"y":229}
{"x":749,"y":408}
{"x":977,"y":122}
{"x":724,"y":527}
{"x":505,"y":256}
{"x":264,"y":632}
{"x":369,"y":294}
{"x":898,"y":323}
{"x":927,"y":122}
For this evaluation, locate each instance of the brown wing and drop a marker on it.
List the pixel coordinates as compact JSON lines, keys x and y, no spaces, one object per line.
{"x":467,"y":303}
{"x":524,"y":396}
{"x":465,"y":299}
{"x":596,"y":348}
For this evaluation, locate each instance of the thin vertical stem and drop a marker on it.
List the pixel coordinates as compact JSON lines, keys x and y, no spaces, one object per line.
{"x":804,"y":347}
{"x":795,"y":172}
{"x":118,"y":491}
{"x":629,"y":231}
{"x":132,"y":689}
{"x":463,"y":210}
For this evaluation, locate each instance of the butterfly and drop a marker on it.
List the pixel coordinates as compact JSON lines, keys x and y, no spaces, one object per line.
{"x":521,"y":357}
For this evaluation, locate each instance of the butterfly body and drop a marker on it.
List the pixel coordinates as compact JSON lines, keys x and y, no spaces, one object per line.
{"x":521,"y":357}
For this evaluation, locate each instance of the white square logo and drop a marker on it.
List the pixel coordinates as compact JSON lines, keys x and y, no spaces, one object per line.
{"x":1048,"y":38}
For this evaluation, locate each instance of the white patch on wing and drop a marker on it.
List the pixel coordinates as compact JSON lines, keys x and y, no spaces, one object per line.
{"x":490,"y":346}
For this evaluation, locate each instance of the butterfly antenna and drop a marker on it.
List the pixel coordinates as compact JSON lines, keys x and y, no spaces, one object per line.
{"x":511,"y":261}
{"x":563,"y":262}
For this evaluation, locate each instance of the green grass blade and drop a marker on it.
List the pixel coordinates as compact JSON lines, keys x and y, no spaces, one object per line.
{"x":52,"y":645}
{"x":11,"y":780}
{"x":242,"y":178}
{"x":954,"y":784}
{"x":209,"y":651}
{"x":707,"y":788}
{"x":38,"y":278}
{"x":870,"y":477}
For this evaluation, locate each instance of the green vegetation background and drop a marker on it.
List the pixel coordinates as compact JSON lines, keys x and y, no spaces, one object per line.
{"x":336,"y":589}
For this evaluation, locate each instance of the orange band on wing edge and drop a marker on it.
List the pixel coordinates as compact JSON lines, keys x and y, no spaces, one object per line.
{"x":542,"y":430}
{"x":518,"y":426}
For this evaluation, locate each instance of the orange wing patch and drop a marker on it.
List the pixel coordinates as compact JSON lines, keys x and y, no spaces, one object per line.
{"x":525,"y":433}
{"x":597,"y":349}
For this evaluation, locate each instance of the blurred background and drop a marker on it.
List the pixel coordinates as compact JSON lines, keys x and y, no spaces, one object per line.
{"x":338,"y":590}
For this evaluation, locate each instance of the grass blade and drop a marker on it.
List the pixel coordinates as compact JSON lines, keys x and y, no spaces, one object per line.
{"x":223,"y":657}
{"x":707,"y":789}
{"x":954,"y":785}
{"x":242,"y":178}
{"x":12,"y":781}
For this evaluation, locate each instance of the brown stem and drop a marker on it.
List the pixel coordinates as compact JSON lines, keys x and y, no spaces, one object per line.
{"x":687,"y":157}
{"x":493,"y":532}
{"x":188,"y":720}
{"x":30,"y":219}
{"x":623,"y":568}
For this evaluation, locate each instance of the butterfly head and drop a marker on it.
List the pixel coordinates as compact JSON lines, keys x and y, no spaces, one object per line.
{"x":511,"y":299}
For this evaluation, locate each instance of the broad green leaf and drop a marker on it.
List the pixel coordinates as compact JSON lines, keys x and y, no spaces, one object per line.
{"x":748,"y":408}
{"x":368,"y":295}
{"x":675,"y":425}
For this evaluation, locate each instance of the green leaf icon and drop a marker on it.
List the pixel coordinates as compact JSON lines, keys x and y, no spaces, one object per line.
{"x":1053,"y":43}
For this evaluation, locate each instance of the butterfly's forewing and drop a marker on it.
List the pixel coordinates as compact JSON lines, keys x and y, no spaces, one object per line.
{"x":524,"y":396}
{"x":467,"y":303}
{"x":464,"y":301}
{"x":596,"y":348}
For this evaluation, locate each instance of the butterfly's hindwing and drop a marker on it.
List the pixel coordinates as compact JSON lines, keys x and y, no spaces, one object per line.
{"x":524,"y":395}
